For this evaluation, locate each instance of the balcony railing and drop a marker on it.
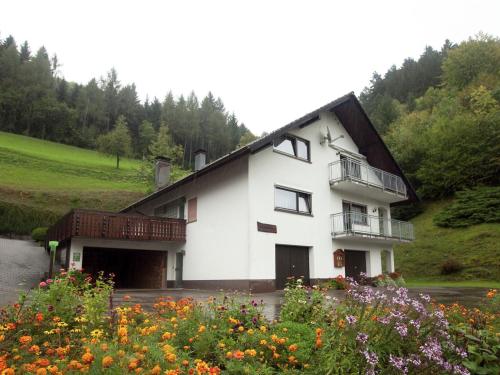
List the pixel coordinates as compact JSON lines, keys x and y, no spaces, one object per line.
{"x":109,"y":225}
{"x":348,"y":169}
{"x":356,"y":224}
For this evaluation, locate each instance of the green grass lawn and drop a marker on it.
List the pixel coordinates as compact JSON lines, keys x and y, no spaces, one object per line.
{"x":476,"y":247}
{"x":41,"y":176}
{"x":418,"y":283}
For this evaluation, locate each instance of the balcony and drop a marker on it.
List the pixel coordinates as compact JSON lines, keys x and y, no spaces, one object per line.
{"x":360,"y":226}
{"x":352,"y":176}
{"x":109,"y":225}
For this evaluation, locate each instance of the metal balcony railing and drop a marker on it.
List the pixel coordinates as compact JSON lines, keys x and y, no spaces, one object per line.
{"x":357,"y":224}
{"x":348,"y":169}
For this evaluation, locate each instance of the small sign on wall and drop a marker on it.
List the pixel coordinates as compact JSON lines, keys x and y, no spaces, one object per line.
{"x":267,"y":228}
{"x":76,"y":256}
{"x":338,"y":258}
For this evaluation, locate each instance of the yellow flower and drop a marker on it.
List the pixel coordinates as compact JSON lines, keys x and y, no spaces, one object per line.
{"x":263,"y":342}
{"x":241,"y":328}
{"x":250,"y":331}
{"x":170,"y":357}
{"x":202,"y":329}
{"x":263,"y":329}
{"x":222,"y":345}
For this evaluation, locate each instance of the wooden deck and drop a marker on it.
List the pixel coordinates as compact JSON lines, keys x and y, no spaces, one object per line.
{"x":110,"y":225}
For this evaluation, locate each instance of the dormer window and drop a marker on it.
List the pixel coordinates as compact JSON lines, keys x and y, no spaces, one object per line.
{"x":293,"y":146}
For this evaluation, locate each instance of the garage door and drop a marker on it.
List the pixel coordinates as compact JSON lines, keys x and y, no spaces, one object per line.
{"x":132,"y":268}
{"x":355,"y":263}
{"x":291,"y":261}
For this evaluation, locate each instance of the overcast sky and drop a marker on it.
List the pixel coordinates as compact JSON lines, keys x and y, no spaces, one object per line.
{"x":270,"y":61}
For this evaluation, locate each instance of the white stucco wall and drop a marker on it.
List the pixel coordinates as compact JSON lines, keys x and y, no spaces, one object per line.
{"x":216,"y":246}
{"x":267,"y":169}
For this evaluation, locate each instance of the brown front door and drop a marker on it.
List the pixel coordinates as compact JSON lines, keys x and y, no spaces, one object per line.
{"x":355,"y":263}
{"x":291,"y":261}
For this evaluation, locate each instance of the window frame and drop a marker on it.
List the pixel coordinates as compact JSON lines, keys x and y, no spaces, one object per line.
{"x":161,"y":210}
{"x":293,"y":139}
{"x":364,"y":212}
{"x":298,"y":193}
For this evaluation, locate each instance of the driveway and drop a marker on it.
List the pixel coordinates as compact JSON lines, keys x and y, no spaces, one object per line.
{"x":22,"y":265}
{"x":272,"y":301}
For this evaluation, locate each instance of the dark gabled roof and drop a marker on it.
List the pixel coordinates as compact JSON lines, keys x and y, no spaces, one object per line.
{"x":352,"y":116}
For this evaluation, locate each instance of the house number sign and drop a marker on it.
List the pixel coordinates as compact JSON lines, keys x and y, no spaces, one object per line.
{"x":338,"y":258}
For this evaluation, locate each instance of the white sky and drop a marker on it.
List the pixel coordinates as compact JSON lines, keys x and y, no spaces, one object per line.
{"x":270,"y":61}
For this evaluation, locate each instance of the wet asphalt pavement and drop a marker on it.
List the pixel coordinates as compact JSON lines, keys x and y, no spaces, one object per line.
{"x":469,"y":297}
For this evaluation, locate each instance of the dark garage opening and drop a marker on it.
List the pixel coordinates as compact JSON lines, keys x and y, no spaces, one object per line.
{"x":291,"y":261}
{"x":132,"y":268}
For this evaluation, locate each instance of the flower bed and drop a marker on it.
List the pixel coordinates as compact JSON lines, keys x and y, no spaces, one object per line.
{"x":68,"y":327}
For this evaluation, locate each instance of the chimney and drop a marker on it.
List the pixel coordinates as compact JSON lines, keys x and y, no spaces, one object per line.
{"x":162,"y":172}
{"x":200,"y":159}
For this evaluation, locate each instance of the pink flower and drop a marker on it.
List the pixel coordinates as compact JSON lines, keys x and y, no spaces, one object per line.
{"x":49,"y":281}
{"x":43,"y":284}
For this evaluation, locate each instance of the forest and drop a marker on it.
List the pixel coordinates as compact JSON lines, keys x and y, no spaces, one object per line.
{"x":36,"y":101}
{"x":440,"y":116}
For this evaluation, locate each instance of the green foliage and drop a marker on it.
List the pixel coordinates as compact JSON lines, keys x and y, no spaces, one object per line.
{"x":39,"y":234}
{"x":477,"y":56}
{"x":37,"y":101}
{"x":117,"y":142}
{"x":475,"y":247}
{"x":450,"y":267}
{"x":164,"y":146}
{"x":302,"y":304}
{"x":21,"y":219}
{"x":471,"y":207}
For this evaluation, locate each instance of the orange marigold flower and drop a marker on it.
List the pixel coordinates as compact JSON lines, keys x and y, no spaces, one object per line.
{"x":53,"y":369}
{"x":156,"y":370}
{"x":238,"y":354}
{"x":132,"y":365}
{"x":43,"y":362}
{"x":185,"y":363}
{"x":39,"y":317}
{"x":319,"y":343}
{"x":25,"y":340}
{"x":170,"y":357}
{"x":34,"y":349}
{"x":107,"y":361}
{"x":87,"y":358}
{"x":293,"y":347}
{"x":8,"y":371}
{"x":41,"y":371}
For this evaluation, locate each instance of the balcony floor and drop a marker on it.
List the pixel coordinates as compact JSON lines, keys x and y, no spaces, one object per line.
{"x":366,"y":190}
{"x":368,"y":237}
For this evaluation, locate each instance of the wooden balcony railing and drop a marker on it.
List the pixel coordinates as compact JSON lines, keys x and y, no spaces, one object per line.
{"x":109,"y":225}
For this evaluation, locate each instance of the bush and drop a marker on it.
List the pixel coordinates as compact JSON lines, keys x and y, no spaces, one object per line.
{"x":20,"y":219}
{"x":471,"y":207}
{"x":406,"y":212}
{"x":451,"y":266}
{"x":39,"y":234}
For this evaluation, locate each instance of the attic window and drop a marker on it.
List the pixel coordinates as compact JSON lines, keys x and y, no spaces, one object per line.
{"x":293,"y":146}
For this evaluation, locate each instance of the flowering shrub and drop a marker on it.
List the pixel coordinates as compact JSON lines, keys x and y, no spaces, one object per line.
{"x":373,"y":331}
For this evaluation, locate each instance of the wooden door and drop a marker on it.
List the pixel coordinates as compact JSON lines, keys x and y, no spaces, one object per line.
{"x":291,"y":261}
{"x":355,"y":263}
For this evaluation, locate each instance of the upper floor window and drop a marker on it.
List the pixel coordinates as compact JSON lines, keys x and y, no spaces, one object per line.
{"x":174,"y":210}
{"x":292,"y":200}
{"x":357,"y":213}
{"x":293,"y":146}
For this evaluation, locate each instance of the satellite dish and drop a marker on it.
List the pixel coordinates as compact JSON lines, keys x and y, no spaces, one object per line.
{"x":327,"y":137}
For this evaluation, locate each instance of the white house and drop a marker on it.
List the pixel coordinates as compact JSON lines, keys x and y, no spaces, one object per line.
{"x":281,"y":206}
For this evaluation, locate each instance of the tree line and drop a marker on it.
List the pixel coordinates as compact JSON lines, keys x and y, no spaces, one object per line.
{"x":440,"y":116}
{"x":37,"y":101}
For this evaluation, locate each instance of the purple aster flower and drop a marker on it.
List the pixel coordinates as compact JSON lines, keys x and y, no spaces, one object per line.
{"x":402,"y":329}
{"x":398,"y":363}
{"x":351,"y":319}
{"x":371,"y":357}
{"x":460,"y":370}
{"x":362,"y":337}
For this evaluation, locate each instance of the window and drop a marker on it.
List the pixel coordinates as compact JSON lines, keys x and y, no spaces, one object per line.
{"x":192,"y":210}
{"x":292,"y":201}
{"x":357,"y":213}
{"x":174,"y":210}
{"x":293,"y":146}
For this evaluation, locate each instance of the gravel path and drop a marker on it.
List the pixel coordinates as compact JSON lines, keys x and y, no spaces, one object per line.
{"x":22,"y":265}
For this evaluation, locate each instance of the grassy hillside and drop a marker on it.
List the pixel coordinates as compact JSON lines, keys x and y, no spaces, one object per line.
{"x":476,"y":248}
{"x":40,"y":180}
